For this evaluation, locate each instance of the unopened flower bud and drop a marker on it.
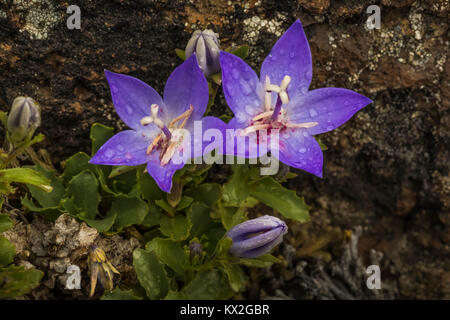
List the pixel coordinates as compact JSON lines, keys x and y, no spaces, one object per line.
{"x":23,"y":119}
{"x":256,"y":237}
{"x":206,"y":47}
{"x":195,"y":249}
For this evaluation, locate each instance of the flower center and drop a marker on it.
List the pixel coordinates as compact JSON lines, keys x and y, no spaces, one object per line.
{"x":171,"y":136}
{"x":275,"y":118}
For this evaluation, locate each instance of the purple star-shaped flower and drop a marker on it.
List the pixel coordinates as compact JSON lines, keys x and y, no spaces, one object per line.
{"x":159,"y":126}
{"x":280,"y":100}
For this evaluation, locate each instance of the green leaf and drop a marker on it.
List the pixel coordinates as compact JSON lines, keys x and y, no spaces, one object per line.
{"x":165,"y":206}
{"x":263,"y":261}
{"x":285,"y":201}
{"x":236,"y":189}
{"x":48,"y":199}
{"x":241,"y":51}
{"x":184,"y":203}
{"x":199,"y":216}
{"x":208,"y":193}
{"x":99,"y":135}
{"x":170,"y":253}
{"x":207,"y":285}
{"x":150,"y":273}
{"x":236,"y":276}
{"x":75,"y":165}
{"x":26,"y":175}
{"x":118,"y":294}
{"x":50,"y":214}
{"x":17,"y":281}
{"x":5,"y":222}
{"x":83,"y":195}
{"x":181,"y":54}
{"x":153,"y":217}
{"x":128,"y":211}
{"x":7,"y":252}
{"x":102,"y":225}
{"x":177,"y":228}
{"x":149,"y":189}
{"x":232,"y":216}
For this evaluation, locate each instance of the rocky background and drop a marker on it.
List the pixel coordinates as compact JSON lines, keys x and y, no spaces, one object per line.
{"x":385,"y":196}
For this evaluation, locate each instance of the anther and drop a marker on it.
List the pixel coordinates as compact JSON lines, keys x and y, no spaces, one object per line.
{"x":305,"y":125}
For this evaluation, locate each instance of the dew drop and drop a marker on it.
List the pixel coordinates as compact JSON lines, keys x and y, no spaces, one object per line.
{"x":235,"y":74}
{"x":246,"y":89}
{"x":129,"y":109}
{"x":292,"y":54}
{"x":120,"y":148}
{"x":128,"y":156}
{"x":302,"y":150}
{"x":114,"y":89}
{"x":109,"y":153}
{"x":249,"y":110}
{"x":312,"y":112}
{"x":329,"y":128}
{"x":308,"y":75}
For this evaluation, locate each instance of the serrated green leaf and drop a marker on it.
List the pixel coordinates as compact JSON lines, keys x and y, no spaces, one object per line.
{"x":48,"y":199}
{"x":7,"y":251}
{"x":150,"y":273}
{"x":27,"y":176}
{"x":199,"y":216}
{"x":176,"y":228}
{"x":17,"y":281}
{"x":170,"y":253}
{"x":236,"y":276}
{"x":283,"y":200}
{"x":149,"y":189}
{"x":128,"y":211}
{"x":5,"y":222}
{"x":75,"y":165}
{"x":118,"y":294}
{"x":241,"y":51}
{"x":207,"y":285}
{"x":208,"y":193}
{"x":99,"y":135}
{"x":101,"y":225}
{"x":83,"y":197}
{"x":50,"y":214}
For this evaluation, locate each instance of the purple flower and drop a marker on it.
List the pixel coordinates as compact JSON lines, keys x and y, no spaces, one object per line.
{"x":160,"y":126}
{"x":279,"y":100}
{"x":256,"y":237}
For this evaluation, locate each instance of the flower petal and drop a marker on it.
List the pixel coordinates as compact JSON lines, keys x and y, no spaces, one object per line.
{"x":300,"y":150}
{"x":258,"y":245}
{"x":290,"y":56}
{"x":203,"y":135}
{"x":241,"y":87}
{"x":330,"y":107}
{"x":162,"y":174}
{"x":132,"y":98}
{"x":127,"y":148}
{"x":186,"y":85}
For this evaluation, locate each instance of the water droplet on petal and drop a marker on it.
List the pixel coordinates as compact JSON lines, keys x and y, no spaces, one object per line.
{"x":128,"y":156}
{"x":250,"y":110}
{"x":114,"y":89}
{"x":308,"y":74}
{"x":312,"y":112}
{"x":292,"y":54}
{"x":120,"y":148}
{"x":129,"y":109}
{"x":109,"y":153}
{"x":246,"y":89}
{"x":329,"y":128}
{"x":302,"y":150}
{"x":235,"y":74}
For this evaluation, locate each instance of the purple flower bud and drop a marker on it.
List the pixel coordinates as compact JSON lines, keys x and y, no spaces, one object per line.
{"x":195,"y":249}
{"x":23,"y":119}
{"x":256,"y":237}
{"x":206,"y":48}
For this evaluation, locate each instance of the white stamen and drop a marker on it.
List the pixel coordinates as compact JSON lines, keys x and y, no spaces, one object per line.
{"x":305,"y":125}
{"x":263,"y":115}
{"x":254,"y":128}
{"x":285,"y":82}
{"x":154,"y":110}
{"x":272,"y":88}
{"x":146,"y":120}
{"x":284,"y":97}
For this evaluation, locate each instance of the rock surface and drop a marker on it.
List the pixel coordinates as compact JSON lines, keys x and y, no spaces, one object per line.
{"x":386,"y":170}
